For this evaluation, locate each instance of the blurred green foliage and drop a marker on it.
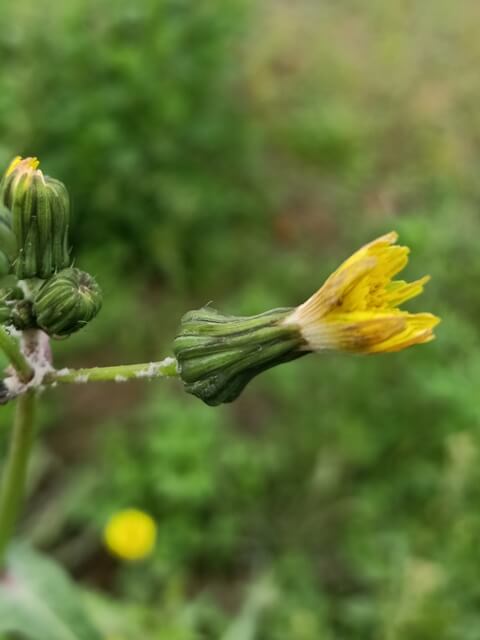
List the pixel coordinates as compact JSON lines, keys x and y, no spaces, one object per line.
{"x":235,"y":152}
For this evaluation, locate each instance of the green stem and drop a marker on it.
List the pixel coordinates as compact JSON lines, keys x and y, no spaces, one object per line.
{"x":12,"y":350}
{"x":120,"y":373}
{"x":15,"y":470}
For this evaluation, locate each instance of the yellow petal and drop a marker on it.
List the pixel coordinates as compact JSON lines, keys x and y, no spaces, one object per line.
{"x":373,"y":248}
{"x":418,"y":330}
{"x":13,"y":164}
{"x":390,"y":261}
{"x":333,"y":292}
{"x":400,"y":291}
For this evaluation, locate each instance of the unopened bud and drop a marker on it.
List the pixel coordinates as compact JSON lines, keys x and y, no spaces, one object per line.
{"x":67,"y":302}
{"x":40,"y":211}
{"x":219,"y":355}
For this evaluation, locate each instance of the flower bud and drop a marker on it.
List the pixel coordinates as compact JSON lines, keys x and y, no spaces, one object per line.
{"x":67,"y":302}
{"x":40,"y":211}
{"x":218,"y":355}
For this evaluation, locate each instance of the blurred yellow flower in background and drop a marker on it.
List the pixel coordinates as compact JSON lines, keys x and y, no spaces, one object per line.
{"x":356,"y":310}
{"x":130,"y":534}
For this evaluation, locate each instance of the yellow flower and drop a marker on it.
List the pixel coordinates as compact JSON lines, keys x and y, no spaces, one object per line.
{"x":130,"y":534}
{"x":356,"y":310}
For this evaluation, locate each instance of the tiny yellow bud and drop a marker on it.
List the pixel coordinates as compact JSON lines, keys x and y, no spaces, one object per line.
{"x":130,"y":534}
{"x":28,"y":164}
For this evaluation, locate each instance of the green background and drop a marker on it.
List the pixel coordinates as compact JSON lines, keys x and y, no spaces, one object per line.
{"x":234,"y":152}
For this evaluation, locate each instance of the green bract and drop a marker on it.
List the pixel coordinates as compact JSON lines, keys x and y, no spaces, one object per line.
{"x":8,"y":243}
{"x":67,"y":302}
{"x":218,"y":355}
{"x":40,"y":217}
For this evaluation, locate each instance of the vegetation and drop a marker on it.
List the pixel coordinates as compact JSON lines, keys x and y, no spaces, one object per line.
{"x":233,"y":152}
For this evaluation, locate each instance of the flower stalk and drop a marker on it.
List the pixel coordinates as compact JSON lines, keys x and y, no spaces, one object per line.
{"x":166,"y":368}
{"x":15,"y":471}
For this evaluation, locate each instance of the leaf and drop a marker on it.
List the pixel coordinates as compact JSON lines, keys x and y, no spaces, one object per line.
{"x":262,"y":596}
{"x":39,"y":601}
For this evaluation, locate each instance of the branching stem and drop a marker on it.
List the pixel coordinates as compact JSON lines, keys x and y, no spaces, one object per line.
{"x":120,"y":373}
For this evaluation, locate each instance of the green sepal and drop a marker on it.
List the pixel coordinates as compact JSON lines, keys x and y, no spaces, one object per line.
{"x":67,"y":302}
{"x":8,"y":242}
{"x":218,"y":355}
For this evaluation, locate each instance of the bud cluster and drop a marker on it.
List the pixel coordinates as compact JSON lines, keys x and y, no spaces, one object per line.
{"x":34,"y":249}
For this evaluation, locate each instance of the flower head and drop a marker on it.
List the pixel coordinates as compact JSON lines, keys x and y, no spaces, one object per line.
{"x":130,"y":534}
{"x":357,"y":309}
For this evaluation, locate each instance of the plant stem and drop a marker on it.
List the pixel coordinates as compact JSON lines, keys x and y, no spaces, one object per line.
{"x":120,"y":373}
{"x":15,"y":470}
{"x":12,"y":350}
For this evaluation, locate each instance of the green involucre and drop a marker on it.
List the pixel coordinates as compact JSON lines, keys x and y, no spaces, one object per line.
{"x":67,"y":302}
{"x":8,"y":243}
{"x":40,"y":218}
{"x":218,"y":355}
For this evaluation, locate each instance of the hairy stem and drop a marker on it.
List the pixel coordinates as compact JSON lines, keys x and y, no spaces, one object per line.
{"x":120,"y":373}
{"x":15,"y":470}
{"x":12,"y":350}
